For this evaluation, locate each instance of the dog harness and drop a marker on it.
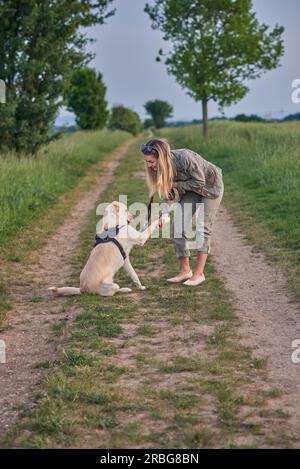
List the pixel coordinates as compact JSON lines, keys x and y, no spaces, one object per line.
{"x":108,"y":236}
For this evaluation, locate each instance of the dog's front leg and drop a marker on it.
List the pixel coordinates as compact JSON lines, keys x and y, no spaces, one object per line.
{"x":145,"y":235}
{"x":130,"y":270}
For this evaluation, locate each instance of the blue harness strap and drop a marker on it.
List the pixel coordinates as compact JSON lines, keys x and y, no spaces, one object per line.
{"x":108,"y":236}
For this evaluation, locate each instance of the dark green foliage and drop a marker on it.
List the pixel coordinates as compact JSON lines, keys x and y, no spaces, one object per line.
{"x":122,"y":118}
{"x":292,"y":117}
{"x":148,"y":123}
{"x":86,"y":98}
{"x":41,"y":43}
{"x":251,"y":118}
{"x":159,"y":111}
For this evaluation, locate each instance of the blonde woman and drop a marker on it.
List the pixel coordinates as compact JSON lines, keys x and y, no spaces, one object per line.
{"x":197,"y":181}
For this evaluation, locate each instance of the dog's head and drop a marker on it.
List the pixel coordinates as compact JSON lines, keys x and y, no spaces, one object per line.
{"x":115,"y":214}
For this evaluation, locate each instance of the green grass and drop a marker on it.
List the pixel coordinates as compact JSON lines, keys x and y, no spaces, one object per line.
{"x":30,"y":185}
{"x":5,"y":303}
{"x":37,"y":194}
{"x":261,"y":171}
{"x":163,"y":368}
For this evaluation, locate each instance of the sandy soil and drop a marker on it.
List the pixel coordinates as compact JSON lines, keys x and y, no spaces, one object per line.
{"x":270,"y":317}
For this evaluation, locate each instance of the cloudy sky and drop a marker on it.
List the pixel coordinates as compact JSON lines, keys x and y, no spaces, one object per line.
{"x":126,"y":48}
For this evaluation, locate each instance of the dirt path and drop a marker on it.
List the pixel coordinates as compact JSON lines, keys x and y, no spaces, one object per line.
{"x":33,"y":313}
{"x":270,"y":318}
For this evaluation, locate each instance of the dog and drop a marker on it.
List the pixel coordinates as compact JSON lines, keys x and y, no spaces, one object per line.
{"x":111,"y":254}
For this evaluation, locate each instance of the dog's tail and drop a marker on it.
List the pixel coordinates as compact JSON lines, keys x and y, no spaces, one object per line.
{"x":65,"y":291}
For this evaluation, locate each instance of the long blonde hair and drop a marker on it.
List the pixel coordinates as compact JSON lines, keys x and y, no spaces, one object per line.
{"x":162,"y":179}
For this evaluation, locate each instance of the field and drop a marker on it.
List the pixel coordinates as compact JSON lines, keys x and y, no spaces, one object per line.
{"x":29,"y":186}
{"x":171,"y":367}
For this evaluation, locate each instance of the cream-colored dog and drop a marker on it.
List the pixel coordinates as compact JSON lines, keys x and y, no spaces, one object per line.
{"x":106,"y":259}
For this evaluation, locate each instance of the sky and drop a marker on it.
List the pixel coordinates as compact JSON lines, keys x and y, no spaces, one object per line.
{"x":126,"y":48}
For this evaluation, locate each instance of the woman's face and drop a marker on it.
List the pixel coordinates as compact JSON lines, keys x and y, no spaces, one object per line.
{"x":151,"y":161}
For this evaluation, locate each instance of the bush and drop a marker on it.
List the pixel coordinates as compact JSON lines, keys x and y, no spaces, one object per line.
{"x":122,"y":118}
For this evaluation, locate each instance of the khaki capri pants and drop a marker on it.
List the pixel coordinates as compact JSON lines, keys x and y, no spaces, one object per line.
{"x":189,"y":203}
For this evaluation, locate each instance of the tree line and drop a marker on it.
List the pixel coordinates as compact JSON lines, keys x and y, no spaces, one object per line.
{"x":85,"y":97}
{"x":217,"y":46}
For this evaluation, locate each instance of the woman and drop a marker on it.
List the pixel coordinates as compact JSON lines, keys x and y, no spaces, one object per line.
{"x":197,"y":181}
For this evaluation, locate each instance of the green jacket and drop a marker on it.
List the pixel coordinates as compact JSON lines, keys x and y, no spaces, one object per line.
{"x":194,"y":173}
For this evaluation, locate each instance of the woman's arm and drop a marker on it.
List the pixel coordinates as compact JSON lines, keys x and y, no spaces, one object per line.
{"x":191,"y":165}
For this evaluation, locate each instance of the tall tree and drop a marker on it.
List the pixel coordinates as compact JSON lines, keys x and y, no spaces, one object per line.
{"x":85,"y":96}
{"x":217,"y":46}
{"x":159,"y":111}
{"x":41,"y":43}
